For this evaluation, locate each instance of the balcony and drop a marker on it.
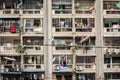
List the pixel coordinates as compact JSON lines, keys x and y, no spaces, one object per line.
{"x":8,"y":49}
{"x":112,"y":65}
{"x":33,"y":67}
{"x":84,"y":25}
{"x":85,"y":63}
{"x":84,"y":7}
{"x":62,"y":29}
{"x":62,"y":7}
{"x":34,"y":25}
{"x":10,"y":63}
{"x":33,"y":62}
{"x":60,"y":11}
{"x":19,"y":11}
{"x":90,"y":67}
{"x":33,"y":49}
{"x":111,"y":26}
{"x":86,"y":51}
{"x":111,"y":7}
{"x":62,"y":62}
{"x":59,"y":67}
{"x":84,"y":11}
{"x":62,"y":25}
{"x":85,"y":29}
{"x":112,"y":50}
{"x":113,"y":29}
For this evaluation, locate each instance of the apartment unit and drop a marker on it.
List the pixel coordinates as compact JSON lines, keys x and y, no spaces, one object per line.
{"x":73,"y":38}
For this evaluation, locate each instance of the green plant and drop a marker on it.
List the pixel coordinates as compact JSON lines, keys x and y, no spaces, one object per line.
{"x":20,"y":48}
{"x":73,"y":49}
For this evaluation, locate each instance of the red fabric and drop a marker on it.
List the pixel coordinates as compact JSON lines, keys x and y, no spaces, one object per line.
{"x":12,"y":29}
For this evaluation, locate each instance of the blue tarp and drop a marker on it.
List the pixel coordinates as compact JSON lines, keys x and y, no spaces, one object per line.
{"x":33,"y":71}
{"x":10,"y":72}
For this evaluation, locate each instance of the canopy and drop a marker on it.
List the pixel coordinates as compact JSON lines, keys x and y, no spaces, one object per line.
{"x":10,"y":72}
{"x":33,"y":71}
{"x":118,"y":5}
{"x":8,"y":58}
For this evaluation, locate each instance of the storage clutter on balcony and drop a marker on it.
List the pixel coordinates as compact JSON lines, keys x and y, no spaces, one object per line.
{"x":9,"y":25}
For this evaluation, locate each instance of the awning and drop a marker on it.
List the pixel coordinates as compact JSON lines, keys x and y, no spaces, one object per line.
{"x":62,"y":71}
{"x":26,"y":71}
{"x":10,"y":72}
{"x":9,"y":58}
{"x":118,"y":5}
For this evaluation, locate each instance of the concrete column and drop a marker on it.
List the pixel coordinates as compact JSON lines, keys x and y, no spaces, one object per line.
{"x":74,"y":60}
{"x":47,"y":25}
{"x":99,"y":41}
{"x":73,"y":9}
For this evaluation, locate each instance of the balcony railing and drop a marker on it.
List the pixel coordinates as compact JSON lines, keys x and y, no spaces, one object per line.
{"x":62,"y":11}
{"x":10,"y":29}
{"x":57,"y":67}
{"x":112,"y":29}
{"x":10,"y":67}
{"x":85,"y":50}
{"x":87,"y":29}
{"x":112,"y":65}
{"x":33,"y":30}
{"x":84,"y":11}
{"x":7,"y":49}
{"x":112,"y":50}
{"x":21,"y":11}
{"x":111,"y":11}
{"x":33,"y":48}
{"x":84,"y":66}
{"x":33,"y":66}
{"x":62,"y":29}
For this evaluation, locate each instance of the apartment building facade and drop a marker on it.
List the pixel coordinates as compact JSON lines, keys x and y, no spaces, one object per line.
{"x":77,"y":50}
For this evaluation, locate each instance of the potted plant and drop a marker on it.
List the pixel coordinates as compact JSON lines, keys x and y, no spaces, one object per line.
{"x":20,"y":49}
